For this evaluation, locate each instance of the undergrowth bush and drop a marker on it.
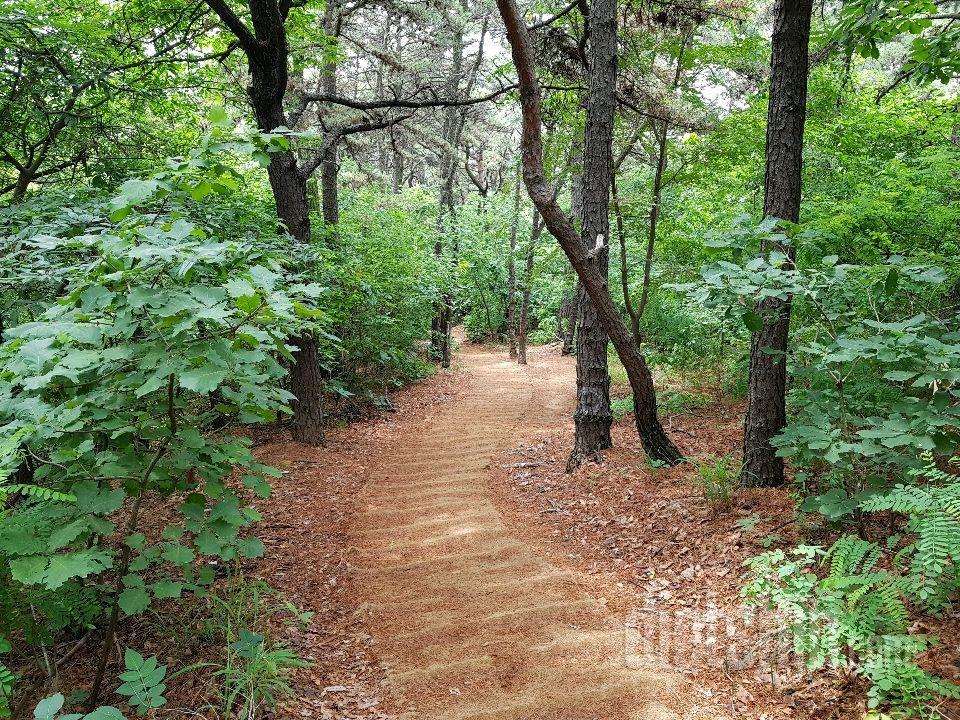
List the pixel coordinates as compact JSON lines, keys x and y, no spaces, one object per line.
{"x":849,"y":605}
{"x":718,"y":479}
{"x":162,"y":329}
{"x":875,"y":412}
{"x":382,"y":264}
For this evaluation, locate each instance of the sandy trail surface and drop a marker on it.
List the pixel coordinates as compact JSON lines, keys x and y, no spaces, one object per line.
{"x":471,"y":620}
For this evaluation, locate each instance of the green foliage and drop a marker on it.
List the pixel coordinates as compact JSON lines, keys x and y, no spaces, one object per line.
{"x":718,"y":479}
{"x":670,"y":402}
{"x":50,"y":709}
{"x":78,"y":74}
{"x":865,"y":25}
{"x":141,"y":316}
{"x":857,"y":609}
{"x":256,"y":674}
{"x":621,"y":407}
{"x":381,"y":262}
{"x":861,"y":323}
{"x":874,"y":366}
{"x":256,"y":670}
{"x":163,"y":329}
{"x":142,"y":682}
{"x":7,"y":679}
{"x":678,"y":402}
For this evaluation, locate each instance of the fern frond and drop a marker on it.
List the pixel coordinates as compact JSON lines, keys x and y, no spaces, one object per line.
{"x":39,"y":493}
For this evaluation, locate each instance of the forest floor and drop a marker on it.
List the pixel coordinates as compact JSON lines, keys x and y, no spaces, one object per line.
{"x":457,"y":571}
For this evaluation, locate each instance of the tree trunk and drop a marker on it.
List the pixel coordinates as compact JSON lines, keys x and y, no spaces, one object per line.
{"x":567,"y":316}
{"x":786,"y":113}
{"x":524,"y":329}
{"x":655,"y":199}
{"x":512,"y":274}
{"x":397,"y":165}
{"x":268,"y":84}
{"x":593,"y":416}
{"x":307,"y":423}
{"x":24,"y":179}
{"x":655,"y":441}
{"x":635,"y":312}
{"x":661,"y":134}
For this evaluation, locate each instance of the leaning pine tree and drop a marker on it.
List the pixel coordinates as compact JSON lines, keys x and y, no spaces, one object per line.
{"x":655,"y":441}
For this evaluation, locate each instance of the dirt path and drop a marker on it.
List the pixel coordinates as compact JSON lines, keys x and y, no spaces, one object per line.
{"x":470,"y":620}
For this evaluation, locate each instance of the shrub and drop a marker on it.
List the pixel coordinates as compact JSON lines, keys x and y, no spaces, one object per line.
{"x":718,"y":479}
{"x":163,"y":329}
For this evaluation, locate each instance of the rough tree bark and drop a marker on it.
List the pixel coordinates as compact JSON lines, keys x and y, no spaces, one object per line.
{"x":266,"y":50}
{"x":655,"y":441}
{"x":524,"y":330}
{"x":512,"y":274}
{"x":593,"y":416}
{"x":786,"y":113}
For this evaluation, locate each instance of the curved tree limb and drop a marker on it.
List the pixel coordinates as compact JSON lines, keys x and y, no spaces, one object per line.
{"x":655,"y":441}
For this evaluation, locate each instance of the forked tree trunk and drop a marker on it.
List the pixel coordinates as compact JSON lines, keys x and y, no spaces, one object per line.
{"x":593,"y":416}
{"x":766,"y":414}
{"x":655,"y":441}
{"x":661,"y":133}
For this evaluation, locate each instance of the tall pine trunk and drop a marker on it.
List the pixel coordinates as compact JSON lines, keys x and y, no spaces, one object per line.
{"x":786,"y":113}
{"x":330,"y":167}
{"x":593,"y":416}
{"x":568,"y":304}
{"x":453,"y":122}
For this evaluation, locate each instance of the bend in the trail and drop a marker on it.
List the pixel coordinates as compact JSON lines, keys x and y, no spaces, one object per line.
{"x":471,"y":621}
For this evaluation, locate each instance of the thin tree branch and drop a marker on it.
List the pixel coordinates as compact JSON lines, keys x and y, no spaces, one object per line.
{"x":409,"y":103}
{"x":553,"y":18}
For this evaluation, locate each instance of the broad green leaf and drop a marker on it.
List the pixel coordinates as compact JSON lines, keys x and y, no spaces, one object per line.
{"x":218,"y":117}
{"x":29,"y":570}
{"x":68,"y":566}
{"x":48,"y":708}
{"x":133,"y":601}
{"x":251,"y":547}
{"x":203,"y":379}
{"x":165,"y":589}
{"x":753,"y":321}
